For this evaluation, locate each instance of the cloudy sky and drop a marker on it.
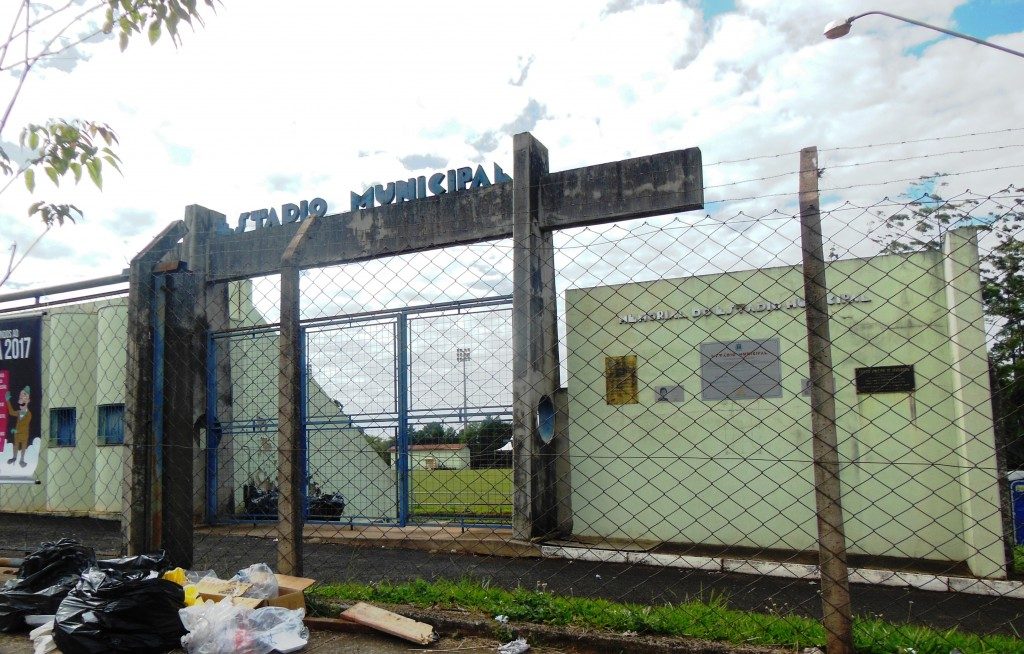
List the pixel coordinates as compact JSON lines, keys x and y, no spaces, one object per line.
{"x":275,"y":102}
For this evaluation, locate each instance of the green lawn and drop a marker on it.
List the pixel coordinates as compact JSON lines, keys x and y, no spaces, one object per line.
{"x":712,"y":620}
{"x":485,"y":492}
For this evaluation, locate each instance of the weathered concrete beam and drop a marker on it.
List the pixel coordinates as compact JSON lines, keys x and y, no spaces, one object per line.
{"x":633,"y":188}
{"x":441,"y":221}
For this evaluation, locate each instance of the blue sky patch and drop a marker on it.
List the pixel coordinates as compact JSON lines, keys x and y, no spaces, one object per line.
{"x":984,"y":18}
{"x":981,"y":19}
{"x":712,"y":8}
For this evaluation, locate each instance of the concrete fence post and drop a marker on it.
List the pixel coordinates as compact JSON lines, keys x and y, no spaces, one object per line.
{"x":835,"y":583}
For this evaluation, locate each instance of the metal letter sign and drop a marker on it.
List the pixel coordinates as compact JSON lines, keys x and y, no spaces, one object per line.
{"x":415,"y":188}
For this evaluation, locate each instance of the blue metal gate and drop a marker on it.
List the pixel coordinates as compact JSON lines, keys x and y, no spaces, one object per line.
{"x":390,"y":398}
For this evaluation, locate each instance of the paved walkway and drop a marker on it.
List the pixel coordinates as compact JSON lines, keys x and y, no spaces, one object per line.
{"x":320,"y":642}
{"x":367,"y":561}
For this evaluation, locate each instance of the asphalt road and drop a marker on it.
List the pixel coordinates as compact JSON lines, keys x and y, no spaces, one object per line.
{"x":620,"y":582}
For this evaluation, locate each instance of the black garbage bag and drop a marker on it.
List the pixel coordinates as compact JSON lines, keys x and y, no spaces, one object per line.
{"x":326,"y":506}
{"x":155,"y":562}
{"x":124,"y":612}
{"x":44,"y":579}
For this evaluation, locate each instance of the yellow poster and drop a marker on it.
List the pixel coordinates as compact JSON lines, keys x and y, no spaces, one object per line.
{"x":620,"y":380}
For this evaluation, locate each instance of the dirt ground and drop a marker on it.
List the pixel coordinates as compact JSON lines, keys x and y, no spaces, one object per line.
{"x":321,"y":642}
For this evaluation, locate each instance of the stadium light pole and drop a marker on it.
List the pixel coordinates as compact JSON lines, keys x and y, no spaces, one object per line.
{"x":840,"y":28}
{"x":462,"y":355}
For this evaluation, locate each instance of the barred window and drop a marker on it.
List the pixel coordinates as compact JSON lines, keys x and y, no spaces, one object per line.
{"x":111,"y":424}
{"x":62,"y":427}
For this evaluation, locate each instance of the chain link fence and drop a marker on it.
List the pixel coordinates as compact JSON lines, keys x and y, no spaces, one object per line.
{"x":682,"y":466}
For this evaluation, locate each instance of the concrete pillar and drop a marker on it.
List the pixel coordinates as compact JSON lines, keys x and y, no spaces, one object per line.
{"x":535,"y":348}
{"x":212,"y":313}
{"x":141,"y":495}
{"x":972,"y":406}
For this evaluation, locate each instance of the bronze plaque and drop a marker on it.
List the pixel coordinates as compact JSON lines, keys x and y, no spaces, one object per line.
{"x":885,"y":379}
{"x":620,"y":385}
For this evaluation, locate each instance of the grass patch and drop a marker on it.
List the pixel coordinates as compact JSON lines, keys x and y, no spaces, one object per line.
{"x":712,"y":620}
{"x":483,"y":492}
{"x":1018,"y":558}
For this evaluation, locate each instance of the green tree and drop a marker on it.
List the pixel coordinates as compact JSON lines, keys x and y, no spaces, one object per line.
{"x":433,"y":433}
{"x":60,"y":148}
{"x":485,"y":439}
{"x":1001,"y":218}
{"x":381,"y":446}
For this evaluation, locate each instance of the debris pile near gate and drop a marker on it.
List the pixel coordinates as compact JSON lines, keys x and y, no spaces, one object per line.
{"x":79,"y":604}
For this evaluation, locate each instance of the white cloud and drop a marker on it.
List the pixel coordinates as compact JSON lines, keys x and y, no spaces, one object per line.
{"x":274,"y":102}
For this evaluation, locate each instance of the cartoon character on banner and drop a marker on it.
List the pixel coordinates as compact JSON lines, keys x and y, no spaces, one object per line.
{"x":5,"y":388}
{"x":21,"y":426}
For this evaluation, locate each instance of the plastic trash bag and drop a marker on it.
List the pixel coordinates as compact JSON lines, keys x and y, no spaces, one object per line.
{"x":195,"y":576}
{"x":127,"y":612}
{"x":224,"y":628}
{"x":44,"y":579}
{"x":264,"y":583}
{"x":156,"y":562}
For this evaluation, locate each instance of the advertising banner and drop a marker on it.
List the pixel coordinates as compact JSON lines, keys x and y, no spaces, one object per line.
{"x":20,"y":398}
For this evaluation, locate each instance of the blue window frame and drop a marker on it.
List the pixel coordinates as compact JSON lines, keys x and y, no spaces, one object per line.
{"x":111,"y":424}
{"x":62,"y":427}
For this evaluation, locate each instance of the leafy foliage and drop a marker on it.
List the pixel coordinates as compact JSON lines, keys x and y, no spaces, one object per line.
{"x":1001,"y":219}
{"x":59,"y":148}
{"x":433,"y":433}
{"x":154,"y":17}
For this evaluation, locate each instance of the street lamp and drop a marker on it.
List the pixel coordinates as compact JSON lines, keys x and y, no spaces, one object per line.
{"x":840,"y":28}
{"x":462,"y":356}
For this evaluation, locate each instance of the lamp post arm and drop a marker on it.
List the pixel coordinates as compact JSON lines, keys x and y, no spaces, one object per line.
{"x":933,"y":27}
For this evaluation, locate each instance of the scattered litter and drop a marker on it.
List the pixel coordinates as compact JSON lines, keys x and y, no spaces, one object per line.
{"x":517,"y":646}
{"x":287,"y":591}
{"x":225,"y":628}
{"x":597,"y":576}
{"x":630,"y":633}
{"x":42,"y":638}
{"x":390,"y":623}
{"x":503,"y":619}
{"x":194,"y":576}
{"x":145,"y":562}
{"x":261,"y":580}
{"x":812,"y":650}
{"x":44,"y":578}
{"x":137,"y":610}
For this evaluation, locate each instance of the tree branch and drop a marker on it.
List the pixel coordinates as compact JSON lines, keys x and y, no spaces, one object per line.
{"x":12,"y":265}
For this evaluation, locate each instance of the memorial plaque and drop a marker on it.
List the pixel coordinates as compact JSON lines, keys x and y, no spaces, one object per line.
{"x":669,"y":393}
{"x":620,"y":386}
{"x":740,"y":370}
{"x":885,"y":379}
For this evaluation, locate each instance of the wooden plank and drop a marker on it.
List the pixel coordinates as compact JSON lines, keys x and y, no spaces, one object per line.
{"x":390,"y":623}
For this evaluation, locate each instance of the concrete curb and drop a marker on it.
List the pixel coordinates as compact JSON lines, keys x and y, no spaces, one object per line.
{"x":938,"y":583}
